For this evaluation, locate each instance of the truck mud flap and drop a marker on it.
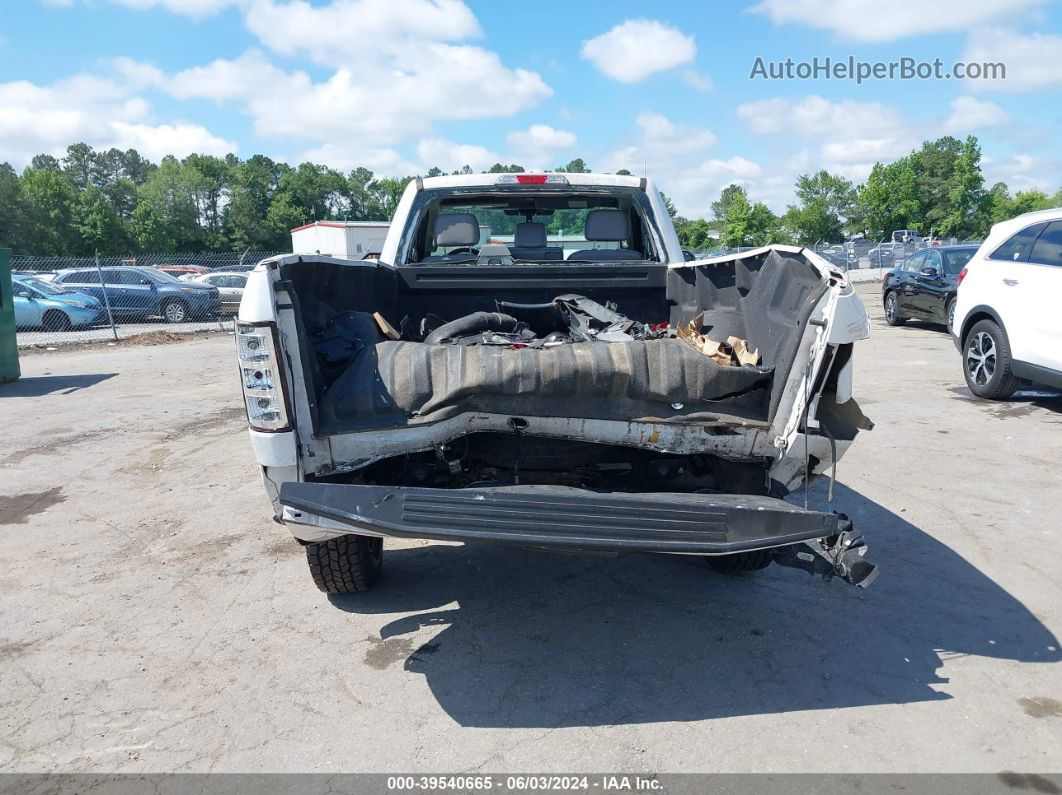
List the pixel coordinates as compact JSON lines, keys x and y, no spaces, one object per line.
{"x":563,"y":517}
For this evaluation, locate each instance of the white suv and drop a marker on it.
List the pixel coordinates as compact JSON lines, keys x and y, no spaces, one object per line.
{"x":1007,"y":323}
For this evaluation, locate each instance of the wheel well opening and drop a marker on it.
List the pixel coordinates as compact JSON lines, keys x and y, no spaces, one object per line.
{"x":968,"y":324}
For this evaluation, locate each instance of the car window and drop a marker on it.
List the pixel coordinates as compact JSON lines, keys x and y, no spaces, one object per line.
{"x":238,"y":281}
{"x":78,"y":277}
{"x":932,"y":261}
{"x":1017,"y":248}
{"x":955,"y":261}
{"x":121,"y":277}
{"x":1047,"y":250}
{"x":21,"y":290}
{"x":914,"y":263}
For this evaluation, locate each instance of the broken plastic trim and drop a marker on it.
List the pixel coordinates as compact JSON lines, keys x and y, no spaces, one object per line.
{"x":839,"y":555}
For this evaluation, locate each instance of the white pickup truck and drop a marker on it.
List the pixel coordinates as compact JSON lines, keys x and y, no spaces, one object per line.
{"x":532,"y":361}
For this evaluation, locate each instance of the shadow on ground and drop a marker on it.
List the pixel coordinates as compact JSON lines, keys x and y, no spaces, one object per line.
{"x":539,"y":639}
{"x":38,"y":385}
{"x":1020,"y":404}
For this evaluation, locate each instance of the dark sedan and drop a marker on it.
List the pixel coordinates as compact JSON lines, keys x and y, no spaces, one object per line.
{"x":923,"y":286}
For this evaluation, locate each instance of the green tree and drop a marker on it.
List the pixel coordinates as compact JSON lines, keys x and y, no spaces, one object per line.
{"x":96,"y":224}
{"x":10,"y":208}
{"x":966,"y":209}
{"x":173,"y":212}
{"x":576,"y":166}
{"x":731,"y":193}
{"x":825,"y":202}
{"x":47,"y":210}
{"x":254,"y":181}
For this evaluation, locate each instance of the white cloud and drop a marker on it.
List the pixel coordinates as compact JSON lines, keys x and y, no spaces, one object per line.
{"x":851,"y":136}
{"x":342,"y":30}
{"x":103,"y":113}
{"x":1032,"y":61}
{"x":538,"y":145}
{"x":197,"y":9}
{"x":675,"y":156}
{"x":540,"y":136}
{"x":450,"y":156}
{"x":1022,"y":172}
{"x":968,"y":114}
{"x":873,"y":20}
{"x":344,"y":157}
{"x":377,"y":106}
{"x":814,"y":115}
{"x":697,"y":81}
{"x":637,"y":48}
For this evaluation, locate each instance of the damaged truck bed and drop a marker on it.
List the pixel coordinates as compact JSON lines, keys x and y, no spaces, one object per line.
{"x":611,"y":398}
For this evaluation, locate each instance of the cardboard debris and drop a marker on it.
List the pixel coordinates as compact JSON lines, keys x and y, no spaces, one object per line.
{"x":732,"y":353}
{"x":386,"y":328}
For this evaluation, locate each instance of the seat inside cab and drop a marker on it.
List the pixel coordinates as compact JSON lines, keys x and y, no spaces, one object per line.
{"x":547,"y":228}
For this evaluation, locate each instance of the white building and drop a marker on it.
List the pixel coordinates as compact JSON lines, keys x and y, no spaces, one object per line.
{"x":343,"y":239}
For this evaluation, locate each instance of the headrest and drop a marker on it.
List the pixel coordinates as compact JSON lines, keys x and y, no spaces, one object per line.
{"x":456,"y":229}
{"x":530,"y":235}
{"x":606,"y":225}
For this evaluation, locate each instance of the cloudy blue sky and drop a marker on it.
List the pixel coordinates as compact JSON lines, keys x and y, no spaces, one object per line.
{"x":402,"y":85}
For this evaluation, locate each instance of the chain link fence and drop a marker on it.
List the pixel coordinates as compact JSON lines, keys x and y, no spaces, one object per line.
{"x":88,"y":299}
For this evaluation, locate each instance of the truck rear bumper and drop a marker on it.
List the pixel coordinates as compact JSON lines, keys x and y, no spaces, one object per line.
{"x":562,"y":517}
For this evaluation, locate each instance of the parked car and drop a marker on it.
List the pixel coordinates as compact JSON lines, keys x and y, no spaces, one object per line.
{"x":905,"y":236}
{"x":883,"y":254}
{"x":455,"y":391}
{"x":138,"y":293}
{"x":182,"y":270}
{"x":923,"y":286}
{"x":1006,"y":320}
{"x":40,"y":304}
{"x":229,"y":284}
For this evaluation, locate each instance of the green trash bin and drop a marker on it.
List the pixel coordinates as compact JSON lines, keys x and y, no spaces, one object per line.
{"x":8,"y":344}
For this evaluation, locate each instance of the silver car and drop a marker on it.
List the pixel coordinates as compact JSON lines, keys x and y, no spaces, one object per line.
{"x":229,"y":284}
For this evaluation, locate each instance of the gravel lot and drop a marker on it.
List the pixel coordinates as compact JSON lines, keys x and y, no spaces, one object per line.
{"x":31,"y":339}
{"x":154,"y":619}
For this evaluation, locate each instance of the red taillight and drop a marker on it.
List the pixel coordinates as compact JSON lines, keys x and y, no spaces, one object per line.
{"x":885,"y":276}
{"x":962,"y":275}
{"x":531,"y":179}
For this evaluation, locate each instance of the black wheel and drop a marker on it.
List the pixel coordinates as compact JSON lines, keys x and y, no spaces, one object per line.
{"x":348,"y":564}
{"x":986,"y":362}
{"x":741,"y":562}
{"x":174,"y":312}
{"x":54,"y":320}
{"x":892,"y":311}
{"x":949,"y":314}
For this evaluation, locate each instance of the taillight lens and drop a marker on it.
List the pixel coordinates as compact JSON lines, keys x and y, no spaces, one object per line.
{"x":263,"y":390}
{"x":962,"y":275}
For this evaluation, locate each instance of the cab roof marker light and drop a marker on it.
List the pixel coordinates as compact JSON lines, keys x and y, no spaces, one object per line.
{"x":531,"y":179}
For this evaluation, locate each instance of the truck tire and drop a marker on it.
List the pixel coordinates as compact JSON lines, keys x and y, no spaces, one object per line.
{"x":986,"y":362}
{"x":348,"y":564}
{"x":741,"y":562}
